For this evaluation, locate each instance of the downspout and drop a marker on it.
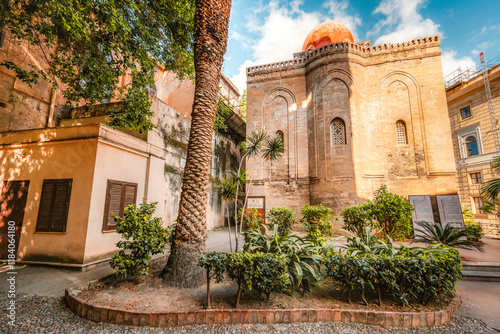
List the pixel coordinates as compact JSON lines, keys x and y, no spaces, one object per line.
{"x":50,"y":116}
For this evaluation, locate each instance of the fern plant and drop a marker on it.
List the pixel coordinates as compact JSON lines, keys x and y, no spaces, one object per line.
{"x":450,"y":236}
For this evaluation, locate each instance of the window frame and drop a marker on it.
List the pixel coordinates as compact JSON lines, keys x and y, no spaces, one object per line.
{"x":461,"y":115}
{"x":478,"y":178}
{"x":332,"y":132}
{"x":57,"y":183}
{"x":462,"y":136}
{"x":106,"y":225}
{"x":403,"y":123}
{"x":478,"y":203}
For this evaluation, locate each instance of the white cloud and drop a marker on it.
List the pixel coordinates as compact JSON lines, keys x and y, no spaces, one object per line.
{"x":404,"y":21}
{"x":451,"y":62}
{"x":282,"y":28}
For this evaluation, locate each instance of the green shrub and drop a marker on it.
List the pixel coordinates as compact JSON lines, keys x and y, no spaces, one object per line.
{"x":317,"y":222}
{"x":410,"y":275}
{"x":302,"y":258}
{"x":284,"y":218}
{"x":215,"y":265}
{"x":142,"y":236}
{"x":252,"y":218}
{"x":357,"y":218}
{"x":474,"y":232}
{"x":392,"y":213}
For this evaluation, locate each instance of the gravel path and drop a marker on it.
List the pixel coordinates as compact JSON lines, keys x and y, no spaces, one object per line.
{"x":50,"y":315}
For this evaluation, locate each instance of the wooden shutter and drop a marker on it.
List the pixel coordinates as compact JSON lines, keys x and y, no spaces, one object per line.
{"x":118,"y":195}
{"x":54,"y":205}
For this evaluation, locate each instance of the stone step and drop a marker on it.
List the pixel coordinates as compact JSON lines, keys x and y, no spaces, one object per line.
{"x":481,"y":266}
{"x":484,"y":276}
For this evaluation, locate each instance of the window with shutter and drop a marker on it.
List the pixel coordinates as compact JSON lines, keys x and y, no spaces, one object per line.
{"x":54,"y":205}
{"x":119,"y":195}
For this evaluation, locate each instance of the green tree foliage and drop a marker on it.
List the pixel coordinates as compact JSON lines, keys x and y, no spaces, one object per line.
{"x":224,"y":108}
{"x":242,"y":109}
{"x":455,"y":237}
{"x":284,"y":218}
{"x":142,"y":236}
{"x":89,"y":45}
{"x":317,"y":220}
{"x":390,"y":212}
{"x":474,"y":232}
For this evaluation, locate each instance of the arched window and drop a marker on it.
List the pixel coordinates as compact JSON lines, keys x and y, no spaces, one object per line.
{"x":279,"y":133}
{"x":401,"y":133}
{"x":471,"y":144}
{"x":337,"y":132}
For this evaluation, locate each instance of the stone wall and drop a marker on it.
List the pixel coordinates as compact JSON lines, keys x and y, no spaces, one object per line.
{"x":368,"y":89}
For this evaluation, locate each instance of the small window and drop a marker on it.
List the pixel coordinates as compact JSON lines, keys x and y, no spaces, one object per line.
{"x":282,"y":137}
{"x":475,"y":178}
{"x":471,"y":145}
{"x":337,"y":132}
{"x":54,"y":205}
{"x":118,"y":196}
{"x":401,"y":133}
{"x":465,"y":112}
{"x":478,"y":204}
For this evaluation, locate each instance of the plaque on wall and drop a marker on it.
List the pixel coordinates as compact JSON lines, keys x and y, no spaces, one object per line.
{"x":423,"y":210}
{"x":450,"y":211}
{"x":259,"y":203}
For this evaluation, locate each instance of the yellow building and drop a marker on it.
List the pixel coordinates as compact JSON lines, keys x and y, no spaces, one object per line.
{"x":473,"y":134}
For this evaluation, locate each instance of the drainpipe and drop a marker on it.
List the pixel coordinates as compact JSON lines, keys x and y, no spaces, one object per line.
{"x":50,"y":116}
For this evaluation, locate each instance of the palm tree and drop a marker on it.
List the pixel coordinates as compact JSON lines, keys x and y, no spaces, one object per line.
{"x":491,"y":189}
{"x":272,"y":150}
{"x":210,"y":40}
{"x":227,"y":192}
{"x":455,"y":237}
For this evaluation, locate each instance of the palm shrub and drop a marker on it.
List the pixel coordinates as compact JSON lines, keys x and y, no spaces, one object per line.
{"x":317,"y":222}
{"x":302,"y":258}
{"x":491,"y":188}
{"x":284,"y":218}
{"x":455,"y":237}
{"x":392,"y":213}
{"x":369,"y":243}
{"x":142,"y":236}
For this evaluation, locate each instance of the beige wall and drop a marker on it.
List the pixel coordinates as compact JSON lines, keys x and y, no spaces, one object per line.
{"x":41,"y":156}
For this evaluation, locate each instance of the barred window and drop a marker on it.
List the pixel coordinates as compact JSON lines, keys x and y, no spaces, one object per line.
{"x":280,"y":134}
{"x":337,"y":132}
{"x":401,"y":133}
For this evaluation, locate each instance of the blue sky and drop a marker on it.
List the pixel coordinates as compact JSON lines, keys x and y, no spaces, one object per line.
{"x":262,"y":32}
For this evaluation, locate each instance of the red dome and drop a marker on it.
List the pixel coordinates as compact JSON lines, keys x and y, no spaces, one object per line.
{"x":327,"y":33}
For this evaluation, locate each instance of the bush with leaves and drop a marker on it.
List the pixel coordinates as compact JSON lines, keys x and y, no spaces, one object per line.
{"x":317,"y":222}
{"x":474,"y":232}
{"x":303,"y":260}
{"x":215,"y":264}
{"x":392,"y":213}
{"x":357,"y":218}
{"x":284,"y":218}
{"x":456,"y":237}
{"x":142,"y":236}
{"x":409,"y":275}
{"x":252,"y":219}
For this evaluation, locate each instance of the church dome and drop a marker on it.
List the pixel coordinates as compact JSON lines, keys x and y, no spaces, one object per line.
{"x":327,"y":33}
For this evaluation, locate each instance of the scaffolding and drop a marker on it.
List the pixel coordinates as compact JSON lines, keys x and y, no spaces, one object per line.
{"x":491,"y":108}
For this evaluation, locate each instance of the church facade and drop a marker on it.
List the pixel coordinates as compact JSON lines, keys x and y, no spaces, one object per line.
{"x":353,"y":117}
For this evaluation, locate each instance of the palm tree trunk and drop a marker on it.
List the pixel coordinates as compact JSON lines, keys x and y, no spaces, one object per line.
{"x":210,"y":41}
{"x":229,"y":227}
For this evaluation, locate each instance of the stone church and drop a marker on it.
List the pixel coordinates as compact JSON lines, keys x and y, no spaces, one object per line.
{"x":352,"y":117}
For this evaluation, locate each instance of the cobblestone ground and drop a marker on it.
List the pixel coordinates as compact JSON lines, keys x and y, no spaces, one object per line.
{"x":39,"y":315}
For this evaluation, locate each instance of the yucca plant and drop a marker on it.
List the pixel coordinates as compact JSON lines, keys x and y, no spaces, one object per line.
{"x":369,"y":243}
{"x":455,"y":237}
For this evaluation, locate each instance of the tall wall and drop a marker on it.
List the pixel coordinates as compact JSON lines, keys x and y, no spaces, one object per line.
{"x":369,"y":89}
